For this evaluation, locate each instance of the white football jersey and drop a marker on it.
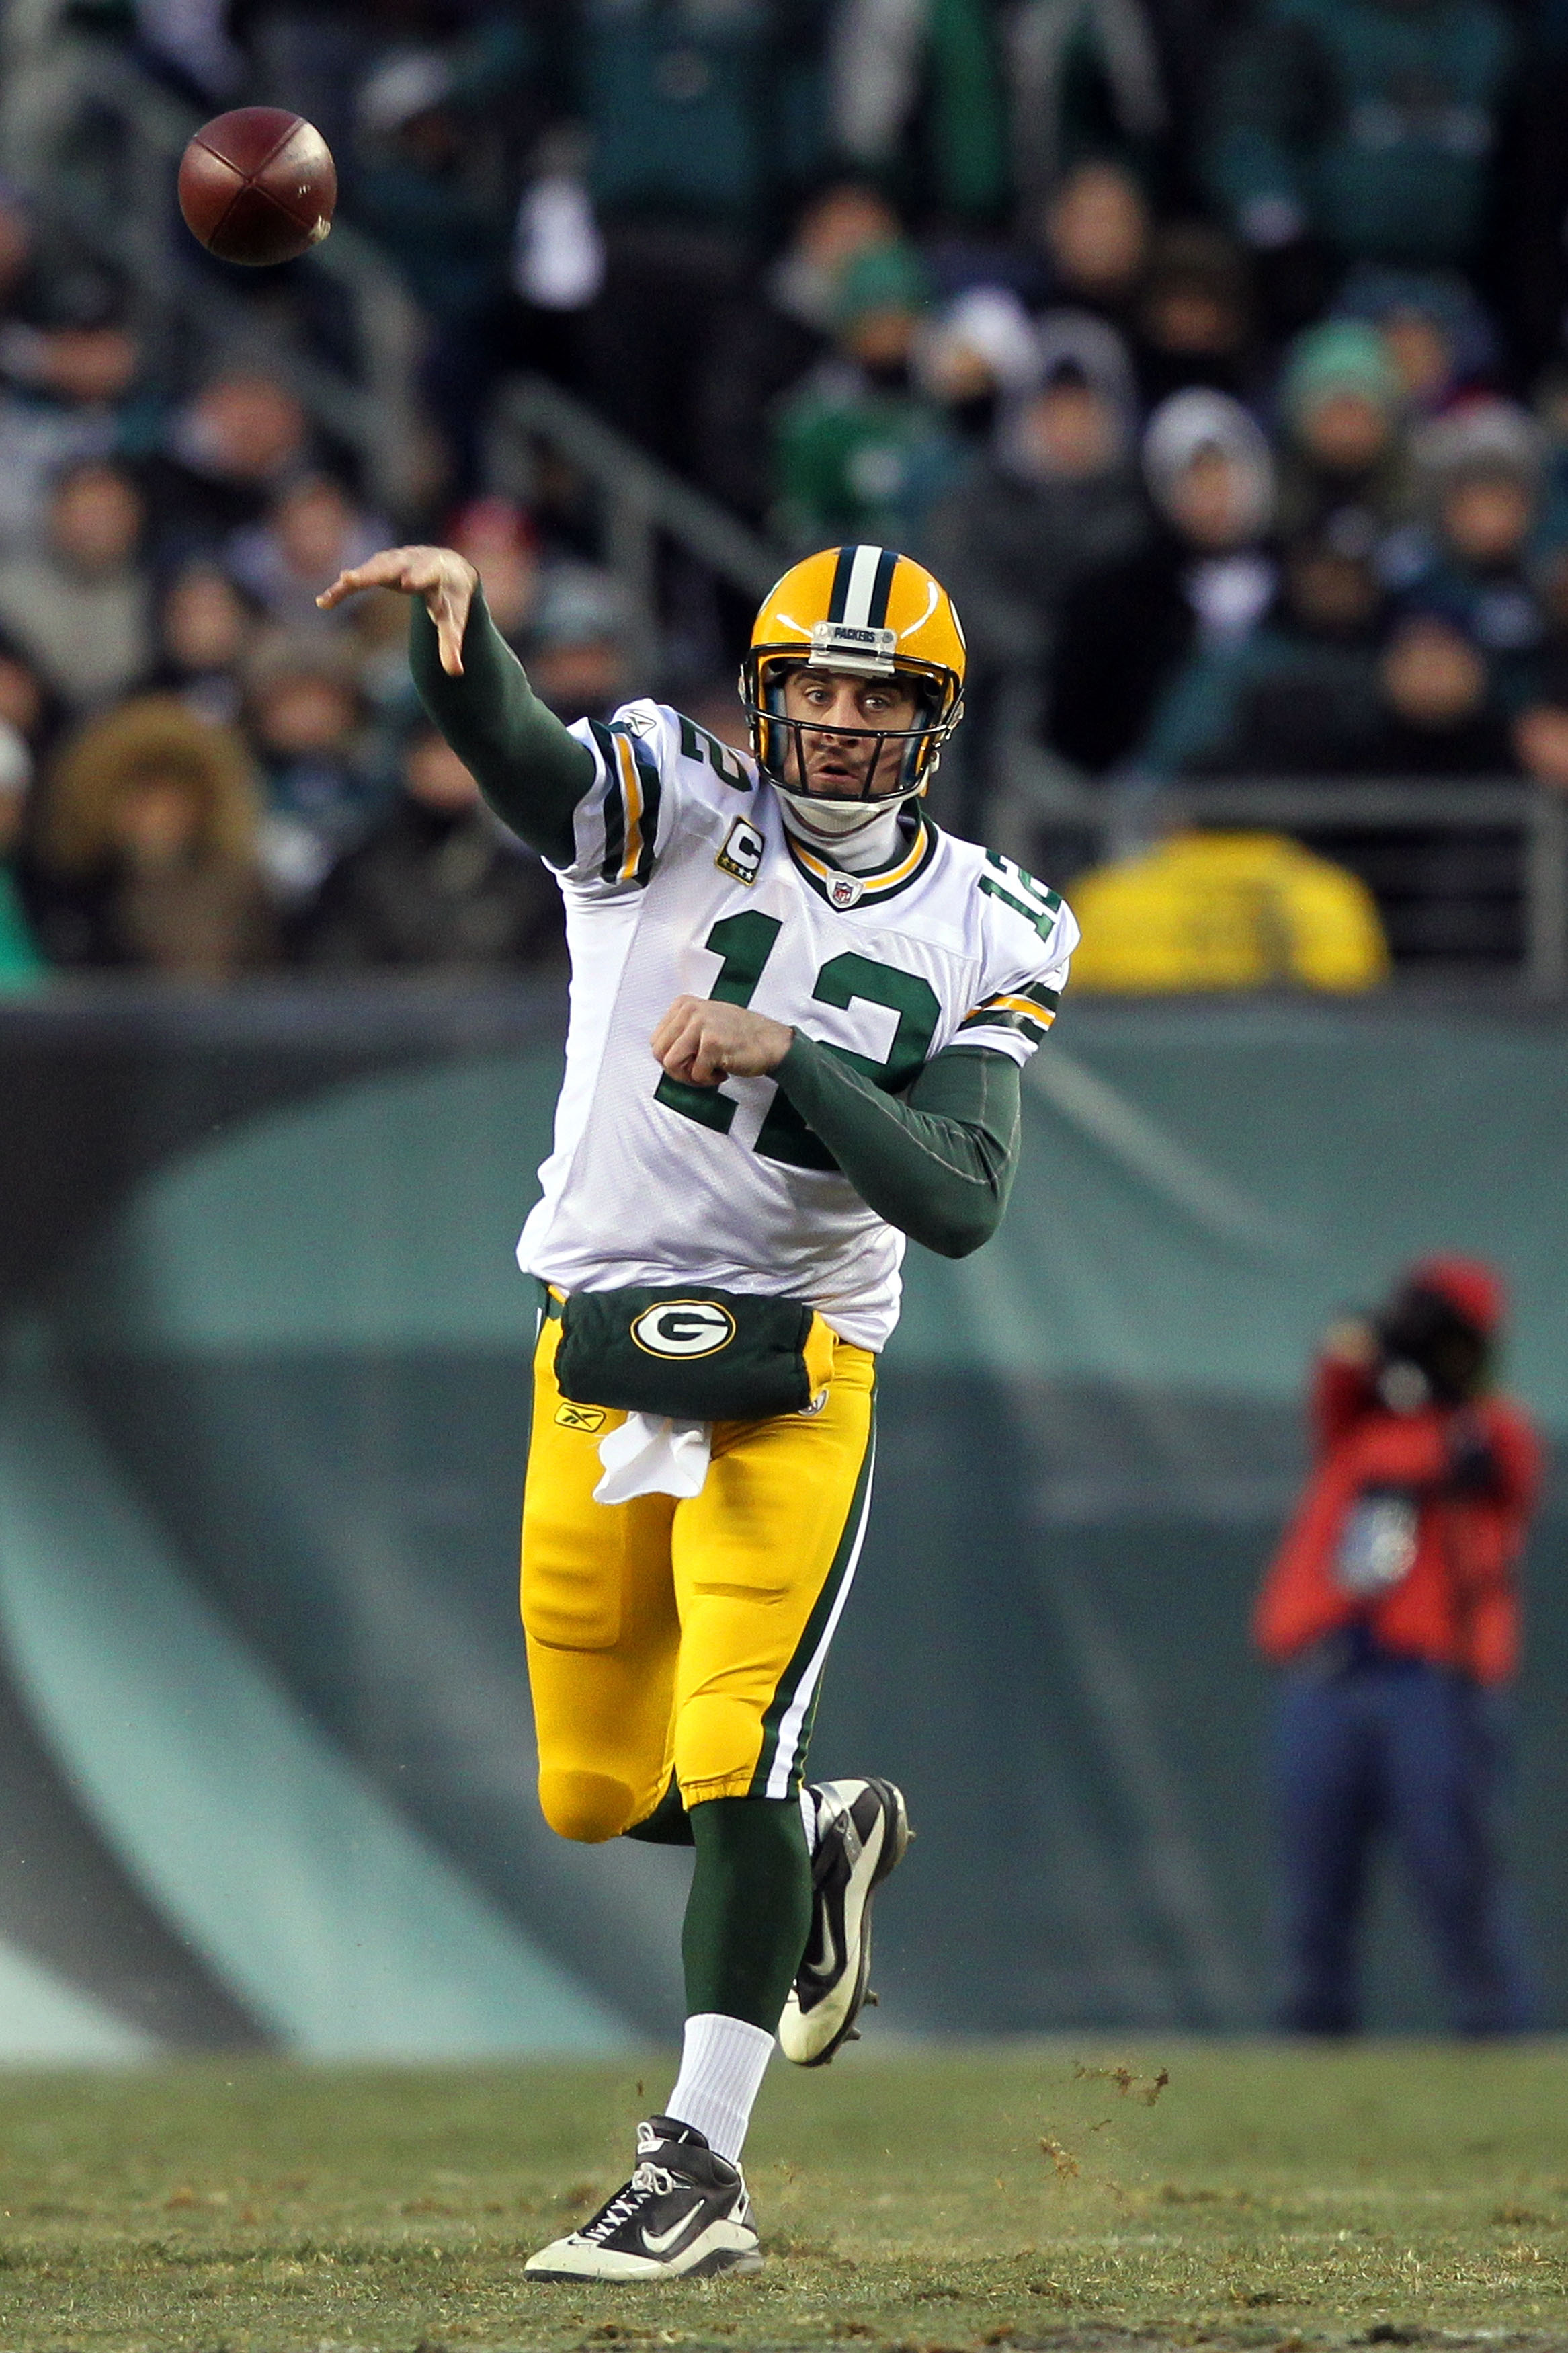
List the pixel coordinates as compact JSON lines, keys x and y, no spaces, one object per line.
{"x":685,"y":882}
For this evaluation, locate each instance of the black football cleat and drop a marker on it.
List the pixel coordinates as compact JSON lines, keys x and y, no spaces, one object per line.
{"x":862,"y":1829}
{"x":684,"y":2214}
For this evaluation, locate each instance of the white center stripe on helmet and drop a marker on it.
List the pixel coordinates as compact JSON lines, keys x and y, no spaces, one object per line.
{"x":862,"y":581}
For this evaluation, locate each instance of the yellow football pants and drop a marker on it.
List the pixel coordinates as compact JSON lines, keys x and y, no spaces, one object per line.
{"x":685,"y":1635}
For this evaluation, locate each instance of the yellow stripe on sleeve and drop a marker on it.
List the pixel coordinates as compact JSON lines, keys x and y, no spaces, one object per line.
{"x":1023,"y":1006}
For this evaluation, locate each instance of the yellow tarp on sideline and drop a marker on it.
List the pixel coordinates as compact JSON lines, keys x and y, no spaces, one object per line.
{"x":1227,"y":911}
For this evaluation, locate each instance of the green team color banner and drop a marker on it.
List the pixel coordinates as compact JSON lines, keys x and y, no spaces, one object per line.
{"x":267,"y":1769}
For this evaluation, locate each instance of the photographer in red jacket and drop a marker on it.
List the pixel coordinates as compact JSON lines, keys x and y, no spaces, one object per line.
{"x":1392,"y":1607}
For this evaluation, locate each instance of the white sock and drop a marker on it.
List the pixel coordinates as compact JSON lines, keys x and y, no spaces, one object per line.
{"x":808,"y":1815}
{"x":722,"y":2063}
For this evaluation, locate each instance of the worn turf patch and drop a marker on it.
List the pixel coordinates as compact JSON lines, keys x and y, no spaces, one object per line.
{"x":1014,"y":2195}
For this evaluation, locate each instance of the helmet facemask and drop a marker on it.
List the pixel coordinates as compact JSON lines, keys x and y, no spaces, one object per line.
{"x":902,"y":759}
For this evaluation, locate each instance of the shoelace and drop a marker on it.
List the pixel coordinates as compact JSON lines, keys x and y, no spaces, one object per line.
{"x":648,"y":2182}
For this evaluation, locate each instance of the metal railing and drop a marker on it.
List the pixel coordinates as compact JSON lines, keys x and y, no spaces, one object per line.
{"x":1420,"y":806}
{"x":640,"y":500}
{"x":1116,"y":816}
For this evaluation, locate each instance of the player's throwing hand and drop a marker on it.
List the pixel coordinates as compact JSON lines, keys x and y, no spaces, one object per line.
{"x":444,"y":579}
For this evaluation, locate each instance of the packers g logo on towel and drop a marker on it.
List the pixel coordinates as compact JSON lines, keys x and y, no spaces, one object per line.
{"x":684,"y":1328}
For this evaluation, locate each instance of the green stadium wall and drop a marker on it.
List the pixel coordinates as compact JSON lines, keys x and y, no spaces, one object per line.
{"x":267,"y":1776}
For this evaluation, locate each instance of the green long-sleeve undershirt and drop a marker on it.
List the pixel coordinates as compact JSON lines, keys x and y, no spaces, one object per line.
{"x":530,"y":770}
{"x":937,"y":1161}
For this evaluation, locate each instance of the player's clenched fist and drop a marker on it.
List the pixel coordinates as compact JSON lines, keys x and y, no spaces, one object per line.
{"x":701,"y":1041}
{"x":444,"y":579}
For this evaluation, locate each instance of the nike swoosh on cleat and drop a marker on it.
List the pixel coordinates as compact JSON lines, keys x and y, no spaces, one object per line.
{"x":826,"y":1965}
{"x":659,"y":2243}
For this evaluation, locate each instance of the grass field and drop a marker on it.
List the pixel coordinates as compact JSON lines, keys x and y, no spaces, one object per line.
{"x":1014,"y":2195}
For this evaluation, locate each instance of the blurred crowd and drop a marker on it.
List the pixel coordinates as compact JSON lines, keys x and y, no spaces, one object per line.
{"x":1211,"y":351}
{"x":201,"y":774}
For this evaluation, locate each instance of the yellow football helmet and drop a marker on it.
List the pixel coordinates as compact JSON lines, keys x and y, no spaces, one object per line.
{"x":872,"y":613}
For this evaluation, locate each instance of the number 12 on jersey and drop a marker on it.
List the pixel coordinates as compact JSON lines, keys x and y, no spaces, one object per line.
{"x":744,"y":944}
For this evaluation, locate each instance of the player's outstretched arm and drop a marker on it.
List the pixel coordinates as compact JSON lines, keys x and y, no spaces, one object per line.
{"x":530,"y":769}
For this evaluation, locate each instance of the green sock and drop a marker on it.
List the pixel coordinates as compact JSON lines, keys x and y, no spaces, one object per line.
{"x":669,"y":1824}
{"x":749,"y":1911}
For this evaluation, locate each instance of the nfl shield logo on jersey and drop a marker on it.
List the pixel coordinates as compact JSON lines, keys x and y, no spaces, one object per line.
{"x":843,"y":890}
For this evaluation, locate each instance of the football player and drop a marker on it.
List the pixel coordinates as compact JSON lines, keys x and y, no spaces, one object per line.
{"x":798,"y":1016}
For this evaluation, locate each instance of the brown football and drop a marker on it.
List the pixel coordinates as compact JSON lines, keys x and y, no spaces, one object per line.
{"x":257,"y":185}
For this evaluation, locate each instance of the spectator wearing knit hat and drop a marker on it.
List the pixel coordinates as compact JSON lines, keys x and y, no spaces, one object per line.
{"x":860,"y":452}
{"x":1203,"y":580}
{"x":1057,"y":496}
{"x":1194,"y":323}
{"x":1479,"y":475}
{"x":775,"y":332}
{"x":304,"y":711}
{"x":1341,"y":408}
{"x":1392,"y":1611}
{"x":976,"y":353}
{"x":1435,"y":328}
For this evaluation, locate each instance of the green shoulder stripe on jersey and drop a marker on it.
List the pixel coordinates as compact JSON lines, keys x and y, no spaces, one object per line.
{"x":632,"y":796}
{"x":1029,"y":1009}
{"x":615,"y":811}
{"x":1034,"y":992}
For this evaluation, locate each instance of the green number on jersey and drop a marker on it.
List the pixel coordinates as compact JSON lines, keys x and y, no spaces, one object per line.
{"x":744,"y":943}
{"x":725,"y":763}
{"x":1020,"y":891}
{"x":784,"y":1134}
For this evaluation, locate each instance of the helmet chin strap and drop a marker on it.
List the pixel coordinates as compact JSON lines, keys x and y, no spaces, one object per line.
{"x":857,"y":836}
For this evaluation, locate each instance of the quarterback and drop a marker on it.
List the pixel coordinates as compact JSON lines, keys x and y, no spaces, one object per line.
{"x":798,"y":1016}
